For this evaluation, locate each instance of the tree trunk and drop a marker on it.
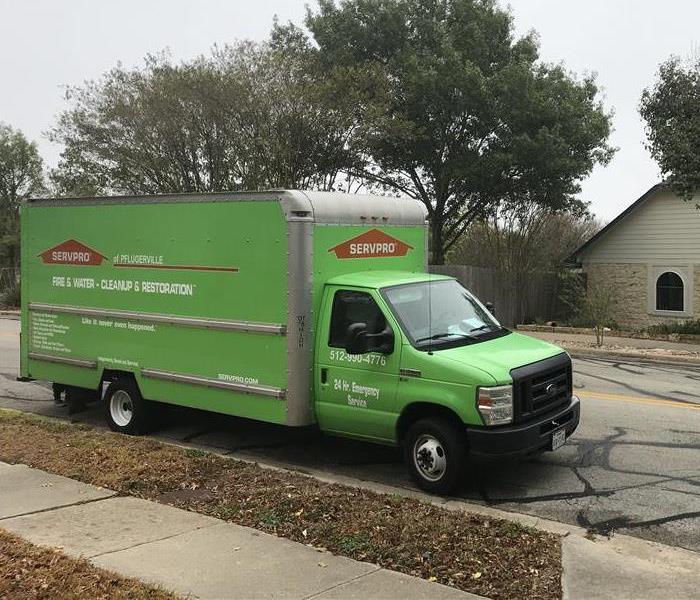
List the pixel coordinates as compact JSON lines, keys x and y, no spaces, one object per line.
{"x":437,"y":249}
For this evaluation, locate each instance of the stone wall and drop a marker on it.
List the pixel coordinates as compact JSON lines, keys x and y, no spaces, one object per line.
{"x":630,"y":282}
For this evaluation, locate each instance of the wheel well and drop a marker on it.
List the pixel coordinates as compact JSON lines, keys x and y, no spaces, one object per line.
{"x":109,"y":375}
{"x":421,"y":410}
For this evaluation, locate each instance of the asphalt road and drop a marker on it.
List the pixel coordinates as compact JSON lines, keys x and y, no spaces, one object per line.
{"x":632,"y":466}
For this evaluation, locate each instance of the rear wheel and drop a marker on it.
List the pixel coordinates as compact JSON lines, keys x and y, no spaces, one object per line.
{"x":125,"y":409}
{"x":435,"y":454}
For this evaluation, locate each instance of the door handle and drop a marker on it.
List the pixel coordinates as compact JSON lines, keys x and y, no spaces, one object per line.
{"x":324,"y":375}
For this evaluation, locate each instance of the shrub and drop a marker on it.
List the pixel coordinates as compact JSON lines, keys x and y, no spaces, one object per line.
{"x":685,"y":327}
{"x":10,"y":297}
{"x":592,"y":304}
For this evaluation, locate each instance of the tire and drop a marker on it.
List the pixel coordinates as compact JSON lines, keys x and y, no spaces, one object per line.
{"x":125,"y":409}
{"x":435,"y":454}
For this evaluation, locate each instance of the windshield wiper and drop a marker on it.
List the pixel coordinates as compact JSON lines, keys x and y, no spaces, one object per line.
{"x":481,"y":327}
{"x":439,"y":336}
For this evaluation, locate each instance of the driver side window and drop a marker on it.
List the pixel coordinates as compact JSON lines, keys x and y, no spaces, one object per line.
{"x":353,"y":307}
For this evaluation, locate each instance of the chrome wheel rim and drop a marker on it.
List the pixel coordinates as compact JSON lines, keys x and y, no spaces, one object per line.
{"x":429,"y":457}
{"x":121,"y":408}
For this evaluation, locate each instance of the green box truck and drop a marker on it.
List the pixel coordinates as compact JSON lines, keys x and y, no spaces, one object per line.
{"x":295,"y":308}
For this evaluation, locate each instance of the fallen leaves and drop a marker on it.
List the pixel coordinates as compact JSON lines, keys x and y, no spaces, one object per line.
{"x":37,"y":573}
{"x":490,"y":557}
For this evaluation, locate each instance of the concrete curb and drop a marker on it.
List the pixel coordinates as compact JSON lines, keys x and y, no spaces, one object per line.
{"x":610,"y":354}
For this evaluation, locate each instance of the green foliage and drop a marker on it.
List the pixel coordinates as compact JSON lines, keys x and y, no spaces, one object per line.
{"x":592,"y":303}
{"x":572,"y":286}
{"x":270,"y":518}
{"x":679,"y":327}
{"x":10,"y":295}
{"x":195,"y":453}
{"x":513,"y":530}
{"x":468,"y":117}
{"x":523,"y":239}
{"x":353,"y":543}
{"x":227,"y":510}
{"x":671,"y":110}
{"x":436,"y":99}
{"x":249,"y":116}
{"x":20,"y":176}
{"x":20,"y":167}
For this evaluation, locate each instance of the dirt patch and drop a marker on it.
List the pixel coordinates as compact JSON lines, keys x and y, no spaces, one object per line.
{"x":37,"y":573}
{"x":482,"y":555}
{"x":630,"y":351}
{"x":184,"y":497}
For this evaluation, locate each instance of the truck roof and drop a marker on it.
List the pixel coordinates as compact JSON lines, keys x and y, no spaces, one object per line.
{"x":298,"y":205}
{"x":382,"y":279}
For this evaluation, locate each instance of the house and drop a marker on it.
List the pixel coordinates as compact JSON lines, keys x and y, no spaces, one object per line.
{"x":650,"y":255}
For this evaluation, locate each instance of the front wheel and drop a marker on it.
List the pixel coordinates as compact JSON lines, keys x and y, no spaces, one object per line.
{"x":435,"y":454}
{"x":125,"y":409}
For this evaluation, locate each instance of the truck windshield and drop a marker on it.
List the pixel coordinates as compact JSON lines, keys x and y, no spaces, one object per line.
{"x":441,"y":314}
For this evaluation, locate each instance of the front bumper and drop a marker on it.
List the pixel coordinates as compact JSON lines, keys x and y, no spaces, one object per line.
{"x":522,"y":439}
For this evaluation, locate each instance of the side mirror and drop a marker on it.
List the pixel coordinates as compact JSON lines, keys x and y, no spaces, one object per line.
{"x":382,"y":342}
{"x":490,"y":307}
{"x":356,"y":339}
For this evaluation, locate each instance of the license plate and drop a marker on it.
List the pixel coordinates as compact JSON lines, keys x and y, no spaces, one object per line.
{"x":558,"y":438}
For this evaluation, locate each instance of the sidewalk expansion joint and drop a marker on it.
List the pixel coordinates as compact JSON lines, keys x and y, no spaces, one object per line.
{"x":52,"y":508}
{"x":337,"y":585}
{"x":145,"y":543}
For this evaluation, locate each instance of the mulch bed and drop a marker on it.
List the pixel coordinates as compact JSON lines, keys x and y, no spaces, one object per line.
{"x":37,"y":573}
{"x":482,"y":555}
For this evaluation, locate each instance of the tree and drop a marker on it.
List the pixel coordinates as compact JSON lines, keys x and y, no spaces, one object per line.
{"x":592,"y":303}
{"x":671,"y":110}
{"x":523,"y":239}
{"x":20,"y":176}
{"x":249,"y":116}
{"x":471,"y":117}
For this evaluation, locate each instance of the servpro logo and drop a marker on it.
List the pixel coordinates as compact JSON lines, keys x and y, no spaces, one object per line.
{"x":72,"y":252}
{"x":371,"y":244}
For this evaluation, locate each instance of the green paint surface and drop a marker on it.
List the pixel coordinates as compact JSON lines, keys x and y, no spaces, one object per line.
{"x":189,"y":239}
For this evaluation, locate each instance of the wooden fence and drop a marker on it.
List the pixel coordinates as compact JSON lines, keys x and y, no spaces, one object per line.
{"x":517,"y":299}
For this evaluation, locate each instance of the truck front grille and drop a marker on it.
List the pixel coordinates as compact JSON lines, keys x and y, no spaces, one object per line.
{"x":541,"y":387}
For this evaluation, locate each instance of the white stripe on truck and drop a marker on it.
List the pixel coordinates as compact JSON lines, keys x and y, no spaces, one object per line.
{"x":203,"y":323}
{"x":257,"y":390}
{"x":64,"y":360}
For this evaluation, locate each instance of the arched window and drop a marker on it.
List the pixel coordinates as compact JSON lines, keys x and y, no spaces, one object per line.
{"x":669,"y":292}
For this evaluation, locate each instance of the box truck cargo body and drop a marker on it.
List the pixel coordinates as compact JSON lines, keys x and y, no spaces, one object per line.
{"x":295,"y":308}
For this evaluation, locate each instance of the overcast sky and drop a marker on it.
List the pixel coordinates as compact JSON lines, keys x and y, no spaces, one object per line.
{"x":45,"y":44}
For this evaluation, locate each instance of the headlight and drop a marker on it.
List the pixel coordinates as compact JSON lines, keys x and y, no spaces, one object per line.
{"x":495,"y":404}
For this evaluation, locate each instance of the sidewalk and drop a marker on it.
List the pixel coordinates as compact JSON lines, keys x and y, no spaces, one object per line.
{"x":185,"y":552}
{"x":578,"y":344}
{"x":202,"y":557}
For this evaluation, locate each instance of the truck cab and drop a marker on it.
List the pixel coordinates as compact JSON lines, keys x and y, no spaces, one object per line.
{"x":416,"y":360}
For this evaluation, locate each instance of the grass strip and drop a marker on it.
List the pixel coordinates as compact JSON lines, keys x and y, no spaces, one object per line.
{"x":491,"y":557}
{"x":37,"y":573}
